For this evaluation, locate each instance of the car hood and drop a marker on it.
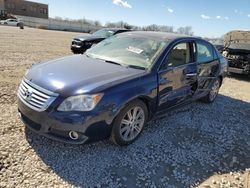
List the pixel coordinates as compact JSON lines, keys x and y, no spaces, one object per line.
{"x":79,"y":74}
{"x":88,"y":38}
{"x":240,"y":46}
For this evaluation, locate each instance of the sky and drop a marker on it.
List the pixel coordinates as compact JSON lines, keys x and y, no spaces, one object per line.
{"x":208,"y":18}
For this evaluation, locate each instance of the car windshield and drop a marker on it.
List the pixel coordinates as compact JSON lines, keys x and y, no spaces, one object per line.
{"x":128,"y":50}
{"x":104,"y":33}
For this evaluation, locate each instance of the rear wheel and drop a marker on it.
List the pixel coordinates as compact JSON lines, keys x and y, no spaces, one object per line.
{"x":213,"y":93}
{"x":129,"y":123}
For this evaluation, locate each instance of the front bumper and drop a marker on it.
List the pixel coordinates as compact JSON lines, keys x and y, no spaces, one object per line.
{"x":238,"y":66}
{"x":238,"y":70}
{"x":78,"y":49}
{"x":57,"y":125}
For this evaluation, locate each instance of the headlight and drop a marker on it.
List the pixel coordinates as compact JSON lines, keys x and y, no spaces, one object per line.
{"x":224,"y":53}
{"x":80,"y":103}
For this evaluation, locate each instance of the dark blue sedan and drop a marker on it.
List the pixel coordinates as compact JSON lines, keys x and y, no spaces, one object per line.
{"x":113,"y":89}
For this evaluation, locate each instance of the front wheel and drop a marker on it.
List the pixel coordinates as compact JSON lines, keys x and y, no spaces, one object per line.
{"x":129,"y":123}
{"x":213,"y":93}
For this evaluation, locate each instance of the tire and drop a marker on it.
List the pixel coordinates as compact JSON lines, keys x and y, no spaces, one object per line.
{"x":213,"y":93}
{"x":129,"y":123}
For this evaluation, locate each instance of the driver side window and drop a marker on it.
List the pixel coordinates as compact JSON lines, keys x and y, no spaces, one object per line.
{"x":179,"y":55}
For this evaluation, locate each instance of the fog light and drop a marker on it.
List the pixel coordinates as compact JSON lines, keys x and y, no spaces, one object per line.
{"x":73,"y":135}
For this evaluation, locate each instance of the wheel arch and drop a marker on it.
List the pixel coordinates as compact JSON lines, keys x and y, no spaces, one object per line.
{"x":115,"y":135}
{"x":146,"y":100}
{"x":149,"y":104}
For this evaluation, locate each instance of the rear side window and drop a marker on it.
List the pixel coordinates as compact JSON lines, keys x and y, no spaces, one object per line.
{"x":205,"y":52}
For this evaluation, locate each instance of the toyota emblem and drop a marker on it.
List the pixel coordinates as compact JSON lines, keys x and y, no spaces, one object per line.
{"x":28,"y":95}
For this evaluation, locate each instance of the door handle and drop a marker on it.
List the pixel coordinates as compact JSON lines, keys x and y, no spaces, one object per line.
{"x":191,"y":74}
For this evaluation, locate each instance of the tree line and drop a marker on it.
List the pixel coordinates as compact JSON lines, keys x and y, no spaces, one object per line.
{"x":186,"y":30}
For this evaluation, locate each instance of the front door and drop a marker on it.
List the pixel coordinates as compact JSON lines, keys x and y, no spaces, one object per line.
{"x":177,"y":76}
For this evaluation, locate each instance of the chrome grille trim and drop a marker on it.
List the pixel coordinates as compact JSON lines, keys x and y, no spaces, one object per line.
{"x":39,"y":99}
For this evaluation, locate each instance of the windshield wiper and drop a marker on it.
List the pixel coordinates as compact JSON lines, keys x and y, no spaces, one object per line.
{"x":107,"y":61}
{"x":112,"y":62}
{"x":135,"y":67}
{"x":127,"y":66}
{"x":88,"y":55}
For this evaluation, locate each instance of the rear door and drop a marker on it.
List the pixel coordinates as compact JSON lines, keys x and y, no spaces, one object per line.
{"x":177,"y":76}
{"x":208,"y":66}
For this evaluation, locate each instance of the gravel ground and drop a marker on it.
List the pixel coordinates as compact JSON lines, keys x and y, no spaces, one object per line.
{"x":198,"y":145}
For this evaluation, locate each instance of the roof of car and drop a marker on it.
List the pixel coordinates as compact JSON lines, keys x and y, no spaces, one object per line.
{"x":157,"y":35}
{"x":117,"y":29}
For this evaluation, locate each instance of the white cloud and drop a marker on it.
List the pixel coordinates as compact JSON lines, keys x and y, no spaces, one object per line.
{"x":222,"y":18}
{"x":205,"y":17}
{"x":236,"y":11}
{"x":170,"y":10}
{"x":122,"y":3}
{"x":248,"y":15}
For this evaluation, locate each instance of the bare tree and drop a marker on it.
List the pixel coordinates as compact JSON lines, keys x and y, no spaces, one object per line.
{"x":109,"y":24}
{"x":97,"y":23}
{"x":58,"y":18}
{"x":185,"y":30}
{"x":164,"y":28}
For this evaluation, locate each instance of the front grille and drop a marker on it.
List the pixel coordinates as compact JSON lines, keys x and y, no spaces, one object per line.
{"x":34,"y":96}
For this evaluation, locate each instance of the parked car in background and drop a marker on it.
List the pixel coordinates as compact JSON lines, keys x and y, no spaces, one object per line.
{"x":82,"y":43}
{"x":217,"y":42}
{"x":237,"y":51}
{"x":12,"y":22}
{"x":118,"y":85}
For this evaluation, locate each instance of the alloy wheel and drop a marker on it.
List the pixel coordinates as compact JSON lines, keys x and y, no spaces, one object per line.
{"x":132,"y":123}
{"x":214,"y":91}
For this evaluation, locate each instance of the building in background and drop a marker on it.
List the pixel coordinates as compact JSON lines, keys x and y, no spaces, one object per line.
{"x":2,"y":9}
{"x":24,"y":8}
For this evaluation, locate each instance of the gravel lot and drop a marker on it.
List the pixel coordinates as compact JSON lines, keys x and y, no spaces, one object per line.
{"x":198,"y":145}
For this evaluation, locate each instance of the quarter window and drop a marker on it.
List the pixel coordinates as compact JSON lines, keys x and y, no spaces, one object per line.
{"x":204,"y":53}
